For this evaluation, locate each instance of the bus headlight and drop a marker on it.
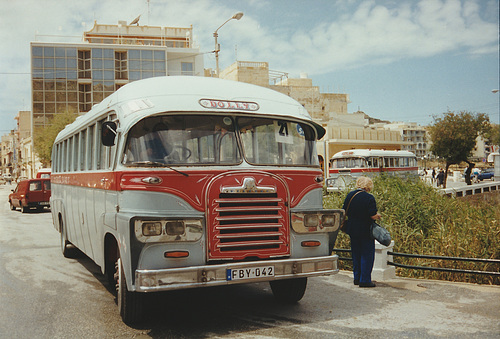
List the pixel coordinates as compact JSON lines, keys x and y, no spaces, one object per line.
{"x":311,"y":220}
{"x":328,"y":220}
{"x":174,"y":227}
{"x":317,"y":221}
{"x":151,"y":228}
{"x":168,"y":230}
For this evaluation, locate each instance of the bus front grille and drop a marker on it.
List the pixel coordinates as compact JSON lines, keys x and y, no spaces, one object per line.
{"x":248,"y":225}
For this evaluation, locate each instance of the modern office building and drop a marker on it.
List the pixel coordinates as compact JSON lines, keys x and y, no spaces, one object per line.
{"x":75,"y":76}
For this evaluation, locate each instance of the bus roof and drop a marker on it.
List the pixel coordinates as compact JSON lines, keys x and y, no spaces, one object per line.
{"x":141,"y":98}
{"x":371,"y":153}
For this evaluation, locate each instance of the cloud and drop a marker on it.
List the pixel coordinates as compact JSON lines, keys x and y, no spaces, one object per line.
{"x":290,"y":35}
{"x":374,"y":34}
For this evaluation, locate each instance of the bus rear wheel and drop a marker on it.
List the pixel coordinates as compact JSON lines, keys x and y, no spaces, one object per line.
{"x":289,"y":290}
{"x":66,"y":249}
{"x":129,"y":303}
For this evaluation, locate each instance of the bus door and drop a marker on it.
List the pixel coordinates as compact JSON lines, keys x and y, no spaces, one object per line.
{"x":101,"y":202}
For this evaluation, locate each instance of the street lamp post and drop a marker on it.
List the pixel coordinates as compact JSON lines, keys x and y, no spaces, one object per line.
{"x":237,"y":16}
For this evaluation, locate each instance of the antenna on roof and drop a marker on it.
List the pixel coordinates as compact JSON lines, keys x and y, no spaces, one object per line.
{"x":135,"y":21}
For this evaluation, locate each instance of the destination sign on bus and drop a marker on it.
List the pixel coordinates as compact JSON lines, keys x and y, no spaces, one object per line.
{"x":224,"y":104}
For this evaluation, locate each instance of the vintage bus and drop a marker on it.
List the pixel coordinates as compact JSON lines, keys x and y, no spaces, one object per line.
{"x":346,"y":166}
{"x":183,"y":182}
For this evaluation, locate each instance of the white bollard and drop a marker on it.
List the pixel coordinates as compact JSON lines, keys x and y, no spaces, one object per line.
{"x":382,"y":271}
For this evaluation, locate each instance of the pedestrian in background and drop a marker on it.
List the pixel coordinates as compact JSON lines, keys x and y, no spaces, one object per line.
{"x":361,"y":211}
{"x":440,"y":178}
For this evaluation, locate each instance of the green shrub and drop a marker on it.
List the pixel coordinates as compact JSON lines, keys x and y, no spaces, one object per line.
{"x":423,"y":221}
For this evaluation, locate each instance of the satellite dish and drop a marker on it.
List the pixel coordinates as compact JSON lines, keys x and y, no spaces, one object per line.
{"x":135,"y":21}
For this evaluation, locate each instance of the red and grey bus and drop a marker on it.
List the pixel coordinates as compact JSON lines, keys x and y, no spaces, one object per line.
{"x":184,"y":182}
{"x":346,"y":166}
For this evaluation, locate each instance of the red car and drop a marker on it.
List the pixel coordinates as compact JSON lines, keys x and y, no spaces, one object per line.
{"x":33,"y":193}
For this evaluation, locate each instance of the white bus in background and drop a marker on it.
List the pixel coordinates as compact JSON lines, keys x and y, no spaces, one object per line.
{"x":346,"y":166}
{"x":184,"y":182}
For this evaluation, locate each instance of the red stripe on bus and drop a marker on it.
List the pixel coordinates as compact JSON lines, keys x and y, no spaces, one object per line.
{"x":189,"y":188}
{"x":374,"y":170}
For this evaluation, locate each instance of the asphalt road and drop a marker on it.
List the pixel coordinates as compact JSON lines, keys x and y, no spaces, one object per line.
{"x":44,"y":295}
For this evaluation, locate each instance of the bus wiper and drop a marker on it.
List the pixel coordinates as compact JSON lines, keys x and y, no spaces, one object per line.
{"x":156,"y":164}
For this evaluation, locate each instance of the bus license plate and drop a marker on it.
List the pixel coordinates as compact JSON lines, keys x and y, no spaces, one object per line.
{"x":250,"y":273}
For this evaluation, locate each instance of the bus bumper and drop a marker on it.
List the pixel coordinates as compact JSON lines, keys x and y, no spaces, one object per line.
{"x":216,"y":275}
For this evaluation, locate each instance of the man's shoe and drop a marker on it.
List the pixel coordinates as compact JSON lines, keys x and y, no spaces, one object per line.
{"x":370,"y":284}
{"x":356,"y":282}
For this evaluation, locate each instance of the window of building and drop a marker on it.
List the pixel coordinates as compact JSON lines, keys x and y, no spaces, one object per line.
{"x":85,"y":97}
{"x":146,"y":63}
{"x":103,"y":73}
{"x":121,"y":65}
{"x":84,"y":64}
{"x":186,"y":68}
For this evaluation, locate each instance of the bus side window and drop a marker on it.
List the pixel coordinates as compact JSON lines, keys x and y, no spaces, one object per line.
{"x":75,"y":153}
{"x":69,"y":153}
{"x":92,"y":147}
{"x":100,"y":156}
{"x":83,"y":150}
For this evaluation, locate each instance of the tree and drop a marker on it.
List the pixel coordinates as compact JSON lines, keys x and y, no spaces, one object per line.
{"x":45,"y":136}
{"x":454,"y":137}
{"x":494,"y":135}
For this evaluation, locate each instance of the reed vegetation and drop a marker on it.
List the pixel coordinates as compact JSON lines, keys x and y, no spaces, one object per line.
{"x":423,"y":221}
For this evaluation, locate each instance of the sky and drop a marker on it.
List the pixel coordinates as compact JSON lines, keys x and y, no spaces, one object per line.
{"x":398,"y":60}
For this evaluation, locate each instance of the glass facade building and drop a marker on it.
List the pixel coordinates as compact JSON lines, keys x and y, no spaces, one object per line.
{"x":74,"y":77}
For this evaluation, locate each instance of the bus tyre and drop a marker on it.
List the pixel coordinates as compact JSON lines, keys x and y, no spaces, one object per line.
{"x":130,"y":304}
{"x":65,"y":248}
{"x":289,"y":290}
{"x":12,"y":207}
{"x":24,"y":209}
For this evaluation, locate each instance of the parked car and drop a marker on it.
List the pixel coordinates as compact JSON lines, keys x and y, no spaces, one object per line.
{"x":43,"y":173}
{"x":33,"y":193}
{"x":488,"y":173}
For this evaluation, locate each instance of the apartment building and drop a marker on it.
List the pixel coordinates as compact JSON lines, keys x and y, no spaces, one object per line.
{"x":75,"y":76}
{"x":414,"y":135}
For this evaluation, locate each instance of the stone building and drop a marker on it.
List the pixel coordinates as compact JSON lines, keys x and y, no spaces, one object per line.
{"x":344,"y":130}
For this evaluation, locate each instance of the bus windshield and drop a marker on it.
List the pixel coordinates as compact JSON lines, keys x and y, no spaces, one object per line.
{"x":277,"y":142}
{"x":205,"y":140}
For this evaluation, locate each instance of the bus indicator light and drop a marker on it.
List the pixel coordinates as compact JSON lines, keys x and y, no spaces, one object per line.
{"x":176,"y":254}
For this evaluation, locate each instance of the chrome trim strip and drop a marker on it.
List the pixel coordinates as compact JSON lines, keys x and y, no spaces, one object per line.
{"x":215,"y":275}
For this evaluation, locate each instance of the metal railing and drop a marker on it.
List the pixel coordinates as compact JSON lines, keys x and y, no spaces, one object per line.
{"x":441,"y":269}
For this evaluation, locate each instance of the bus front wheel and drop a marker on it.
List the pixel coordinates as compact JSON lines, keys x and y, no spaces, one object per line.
{"x":129,"y":303}
{"x":289,"y":290}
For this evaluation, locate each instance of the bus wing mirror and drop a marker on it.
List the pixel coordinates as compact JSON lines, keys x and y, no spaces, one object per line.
{"x":108,"y":133}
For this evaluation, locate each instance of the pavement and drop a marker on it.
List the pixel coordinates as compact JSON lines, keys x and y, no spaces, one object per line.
{"x":41,"y":292}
